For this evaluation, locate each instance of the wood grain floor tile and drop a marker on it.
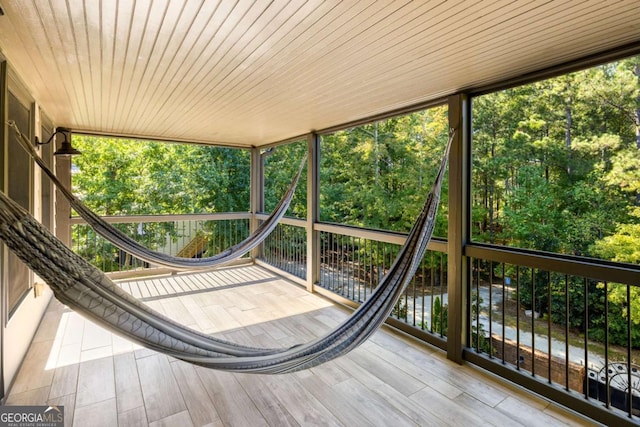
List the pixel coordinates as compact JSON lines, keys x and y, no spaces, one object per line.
{"x":200,"y":407}
{"x":96,"y":382}
{"x":98,"y":414}
{"x":392,"y":380}
{"x":234,"y":406}
{"x":128,"y":389}
{"x":303,"y":406}
{"x":65,"y":380}
{"x":35,"y":396}
{"x":181,"y":419}
{"x":69,"y":404}
{"x":160,"y":390}
{"x":135,"y":417}
{"x":272,"y":409}
{"x":448,"y":411}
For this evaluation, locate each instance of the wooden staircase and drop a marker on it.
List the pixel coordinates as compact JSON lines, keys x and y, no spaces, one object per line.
{"x":195,"y":247}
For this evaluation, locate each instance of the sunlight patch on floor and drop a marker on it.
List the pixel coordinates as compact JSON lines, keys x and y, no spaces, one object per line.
{"x":231,"y":303}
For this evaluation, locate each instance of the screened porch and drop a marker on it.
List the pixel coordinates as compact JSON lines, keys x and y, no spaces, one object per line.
{"x":524,"y":308}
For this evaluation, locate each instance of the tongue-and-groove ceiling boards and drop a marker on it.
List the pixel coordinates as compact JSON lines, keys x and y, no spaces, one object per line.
{"x":252,"y":73}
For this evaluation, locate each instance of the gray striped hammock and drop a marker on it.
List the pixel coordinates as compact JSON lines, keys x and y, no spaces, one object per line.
{"x":129,"y":245}
{"x":89,"y":291}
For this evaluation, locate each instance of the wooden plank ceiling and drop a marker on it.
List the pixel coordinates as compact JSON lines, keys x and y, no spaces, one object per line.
{"x":251,"y":73}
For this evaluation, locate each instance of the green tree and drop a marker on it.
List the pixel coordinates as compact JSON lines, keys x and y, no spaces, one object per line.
{"x":130,"y":177}
{"x":280,"y":165}
{"x":378,"y":175}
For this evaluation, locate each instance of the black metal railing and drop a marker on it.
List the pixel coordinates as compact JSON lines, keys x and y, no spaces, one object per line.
{"x":567,"y":322}
{"x":286,"y":248}
{"x":353,"y":261}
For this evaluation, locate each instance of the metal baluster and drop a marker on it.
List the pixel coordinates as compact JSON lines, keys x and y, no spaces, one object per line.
{"x":477,"y":305}
{"x":282,"y":247}
{"x":606,"y":343}
{"x":549,"y":325}
{"x":533,"y":322}
{"x":566,"y":332}
{"x":422,"y":292}
{"x":360,"y":271}
{"x":491,"y":309}
{"x":433,"y":282}
{"x":504,"y":307}
{"x":298,"y":257}
{"x":517,"y":317}
{"x":369,"y":254}
{"x":414,"y":281}
{"x":349,"y":262}
{"x":377,"y":265}
{"x":300,"y":253}
{"x":629,"y":389}
{"x":334,"y":263}
{"x":289,"y":247}
{"x":442,"y":282}
{"x":586,"y":334}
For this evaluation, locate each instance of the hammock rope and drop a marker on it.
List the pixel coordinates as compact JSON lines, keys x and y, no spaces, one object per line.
{"x":88,"y":290}
{"x":129,"y":245}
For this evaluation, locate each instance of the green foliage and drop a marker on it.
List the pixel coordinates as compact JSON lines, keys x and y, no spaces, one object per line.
{"x":555,"y":162}
{"x":400,"y":310}
{"x":440,"y":317}
{"x":378,"y":175}
{"x":127,"y":177}
{"x":555,"y":168}
{"x":280,"y":165}
{"x":618,"y":308}
{"x":624,"y":244}
{"x":479,"y":337}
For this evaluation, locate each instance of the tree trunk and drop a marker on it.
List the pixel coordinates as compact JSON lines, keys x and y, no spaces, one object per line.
{"x":567,"y":132}
{"x":376,"y":152}
{"x":491,"y":193}
{"x":637,"y":73}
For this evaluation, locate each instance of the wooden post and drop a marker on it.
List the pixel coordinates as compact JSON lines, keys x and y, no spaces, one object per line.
{"x":313,"y":210}
{"x":459,"y":220}
{"x":62,"y":206}
{"x":256,"y":194}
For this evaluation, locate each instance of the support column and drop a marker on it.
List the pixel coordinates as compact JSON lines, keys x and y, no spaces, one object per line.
{"x":313,"y":210}
{"x":256,"y":194}
{"x":459,"y":220}
{"x":62,"y":206}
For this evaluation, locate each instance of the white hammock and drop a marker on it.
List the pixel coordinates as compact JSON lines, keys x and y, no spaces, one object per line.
{"x":127,"y":244}
{"x":86,"y":289}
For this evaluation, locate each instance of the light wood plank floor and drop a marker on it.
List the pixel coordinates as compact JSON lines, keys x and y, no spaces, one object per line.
{"x":391,"y":380}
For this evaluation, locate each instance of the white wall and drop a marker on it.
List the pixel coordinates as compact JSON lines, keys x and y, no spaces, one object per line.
{"x":19,"y":330}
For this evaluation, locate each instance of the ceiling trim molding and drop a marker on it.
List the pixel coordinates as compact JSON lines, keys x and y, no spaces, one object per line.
{"x":579,"y":64}
{"x":159,"y":139}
